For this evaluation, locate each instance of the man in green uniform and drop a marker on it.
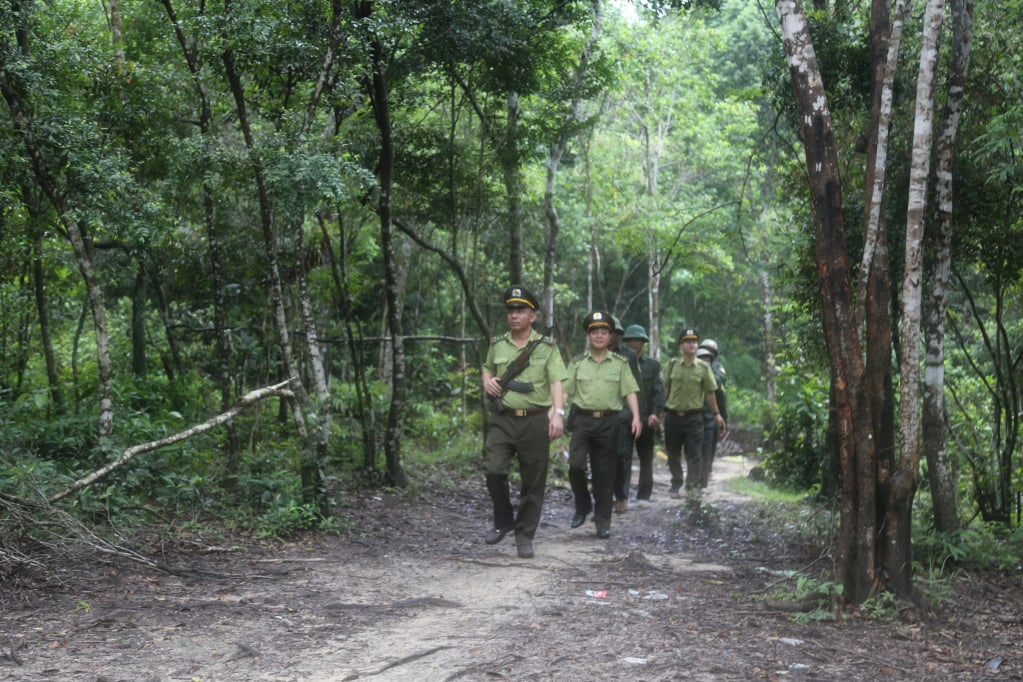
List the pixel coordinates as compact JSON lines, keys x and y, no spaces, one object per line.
{"x":708,"y":353}
{"x":651,"y":404}
{"x":688,"y":383}
{"x":529,"y":415}
{"x":626,"y":441}
{"x":598,"y":382}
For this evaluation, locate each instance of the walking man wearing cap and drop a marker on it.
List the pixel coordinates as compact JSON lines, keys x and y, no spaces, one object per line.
{"x":651,"y":404}
{"x":598,"y":382}
{"x":688,"y":383}
{"x":531,"y":416}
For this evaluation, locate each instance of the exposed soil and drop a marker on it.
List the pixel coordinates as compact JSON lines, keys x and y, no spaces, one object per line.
{"x":413,"y":593}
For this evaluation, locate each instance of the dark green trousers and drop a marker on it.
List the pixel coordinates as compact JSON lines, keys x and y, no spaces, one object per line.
{"x":684,"y":433}
{"x":710,"y":445}
{"x":595,"y":439}
{"x":526,"y":440}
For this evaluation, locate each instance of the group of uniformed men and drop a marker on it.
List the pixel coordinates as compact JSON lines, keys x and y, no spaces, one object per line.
{"x":615,"y":397}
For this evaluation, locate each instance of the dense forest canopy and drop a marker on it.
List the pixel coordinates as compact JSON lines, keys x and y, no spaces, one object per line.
{"x":312,"y":209}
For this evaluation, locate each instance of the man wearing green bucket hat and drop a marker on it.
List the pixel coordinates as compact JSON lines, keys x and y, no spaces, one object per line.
{"x":651,"y":404}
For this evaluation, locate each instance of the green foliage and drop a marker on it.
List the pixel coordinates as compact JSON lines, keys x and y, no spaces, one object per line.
{"x":934,"y":585}
{"x":25,"y":476}
{"x":455,"y":454}
{"x":980,"y":546}
{"x":765,"y":492}
{"x":61,"y":438}
{"x":746,"y":407}
{"x":884,"y":607}
{"x":287,"y":519}
{"x":796,"y":440}
{"x":814,"y":594}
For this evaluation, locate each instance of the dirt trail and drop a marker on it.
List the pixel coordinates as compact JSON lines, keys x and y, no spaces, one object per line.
{"x":413,"y":593}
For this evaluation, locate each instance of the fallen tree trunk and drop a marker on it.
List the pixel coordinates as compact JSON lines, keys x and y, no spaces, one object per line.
{"x":246,"y":400}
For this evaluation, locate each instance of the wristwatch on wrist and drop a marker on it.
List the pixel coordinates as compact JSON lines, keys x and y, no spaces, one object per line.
{"x":560,"y":411}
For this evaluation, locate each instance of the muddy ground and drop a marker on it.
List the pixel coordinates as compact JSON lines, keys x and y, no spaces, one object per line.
{"x":413,"y":593}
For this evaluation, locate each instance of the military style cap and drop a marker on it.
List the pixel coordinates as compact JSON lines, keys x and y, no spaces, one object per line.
{"x":635,"y":331}
{"x":711,"y":345}
{"x":618,"y":329}
{"x":704,"y":352}
{"x":517,"y":296}
{"x":598,"y":319}
{"x":688,"y":335}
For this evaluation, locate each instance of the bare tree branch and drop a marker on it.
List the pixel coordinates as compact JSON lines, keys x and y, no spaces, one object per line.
{"x":129,"y":454}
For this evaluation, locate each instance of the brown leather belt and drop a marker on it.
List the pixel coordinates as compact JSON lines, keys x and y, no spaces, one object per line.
{"x":527,"y":413}
{"x":597,"y":414}
{"x":686,"y":413}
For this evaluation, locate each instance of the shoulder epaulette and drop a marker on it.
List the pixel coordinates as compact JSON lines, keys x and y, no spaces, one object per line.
{"x":495,"y":339}
{"x":616,"y":354}
{"x":547,"y":340}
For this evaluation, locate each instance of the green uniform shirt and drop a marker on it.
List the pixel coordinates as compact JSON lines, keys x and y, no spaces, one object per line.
{"x":687,"y":387}
{"x":651,"y":387}
{"x":544,"y":368}
{"x":603,"y":385}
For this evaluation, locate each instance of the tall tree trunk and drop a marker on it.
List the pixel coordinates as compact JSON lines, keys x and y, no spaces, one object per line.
{"x":874,"y":291}
{"x":901,"y":487}
{"x":139,"y":366}
{"x":856,"y":554}
{"x":364,"y":404}
{"x":314,"y":462}
{"x":652,"y":146}
{"x":767,"y":298}
{"x":884,"y":53}
{"x":941,"y":472}
{"x":568,"y":129}
{"x":116,"y":37}
{"x":269,"y":238}
{"x":224,"y":345}
{"x":82,"y":250}
{"x":385,"y":175}
{"x":511,"y":161}
{"x":655,"y":303}
{"x":315,"y":459}
{"x":553,"y":229}
{"x":173,"y":365}
{"x":43,"y":313}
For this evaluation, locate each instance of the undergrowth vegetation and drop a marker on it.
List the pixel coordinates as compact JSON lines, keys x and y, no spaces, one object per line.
{"x":939,"y":559}
{"x":198,"y":486}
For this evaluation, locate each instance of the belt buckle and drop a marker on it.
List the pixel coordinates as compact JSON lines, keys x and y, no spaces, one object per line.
{"x":520,"y":413}
{"x":597,"y":414}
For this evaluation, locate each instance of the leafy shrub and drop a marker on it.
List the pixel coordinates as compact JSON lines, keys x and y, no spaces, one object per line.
{"x":64,"y":438}
{"x":266,"y":476}
{"x":797,"y":436}
{"x":746,"y":408}
{"x":286,"y":520}
{"x":980,"y":546}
